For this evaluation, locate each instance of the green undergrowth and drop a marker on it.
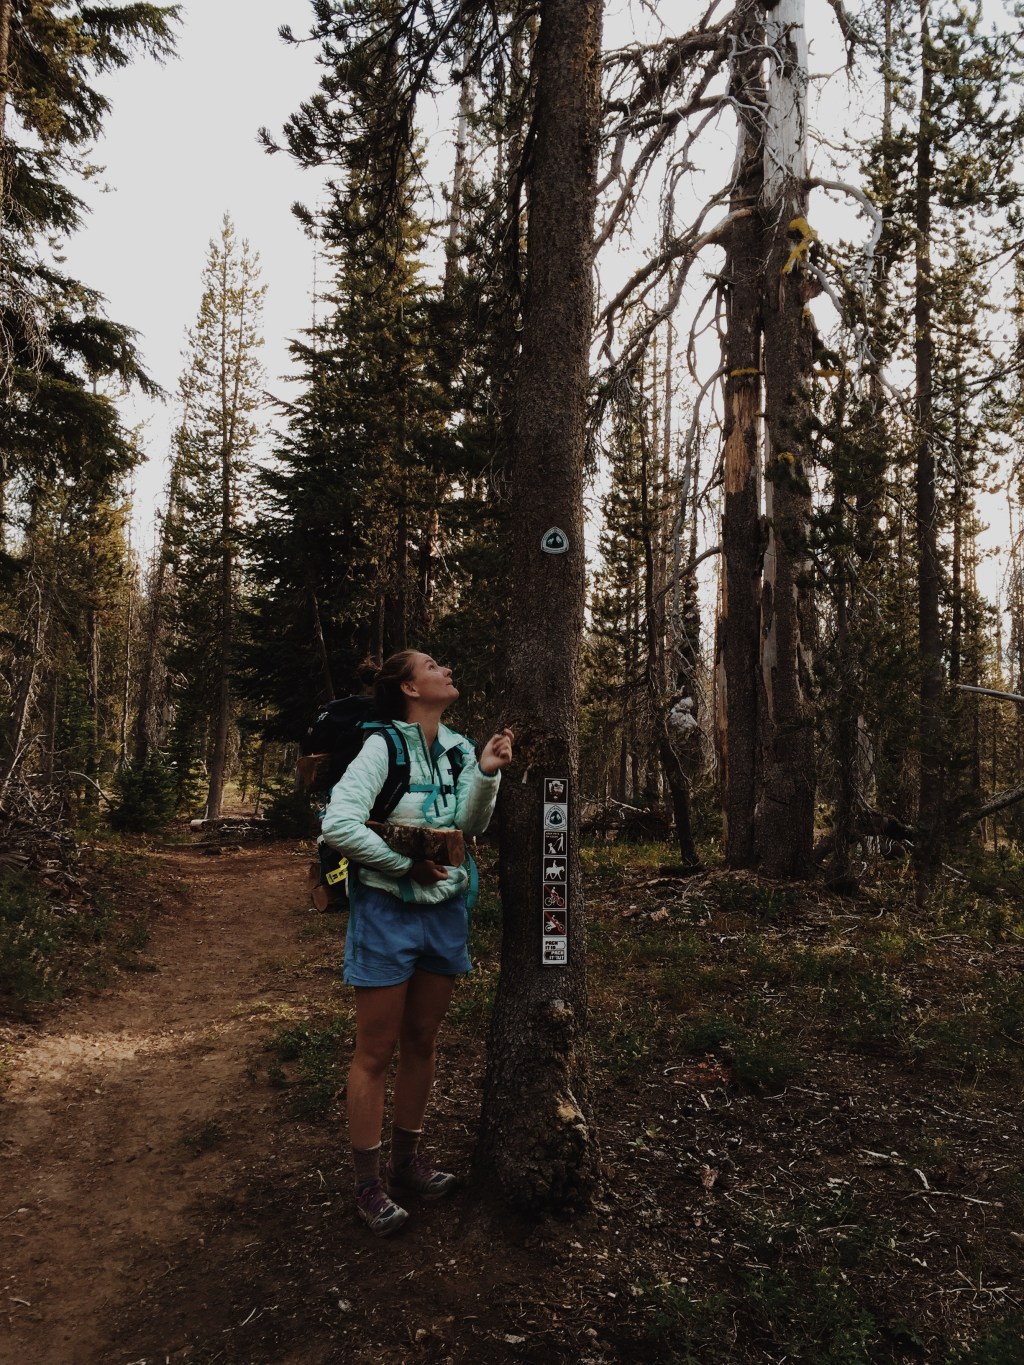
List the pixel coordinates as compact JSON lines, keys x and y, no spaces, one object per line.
{"x":308,"y":1060}
{"x":52,"y":944}
{"x":804,"y":1280}
{"x":770,"y":977}
{"x":784,"y":1306}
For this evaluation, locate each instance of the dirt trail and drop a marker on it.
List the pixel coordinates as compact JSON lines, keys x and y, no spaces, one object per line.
{"x":107,"y":1104}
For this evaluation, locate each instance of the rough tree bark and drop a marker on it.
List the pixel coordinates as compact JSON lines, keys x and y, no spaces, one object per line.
{"x":538,"y":1147}
{"x":740,"y":581}
{"x":852,"y":791}
{"x":929,"y":571}
{"x":784,"y":815}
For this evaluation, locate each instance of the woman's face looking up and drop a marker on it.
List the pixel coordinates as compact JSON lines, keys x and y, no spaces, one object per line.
{"x":430,"y":683}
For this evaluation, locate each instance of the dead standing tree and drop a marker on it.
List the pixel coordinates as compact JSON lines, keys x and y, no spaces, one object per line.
{"x":784,"y":813}
{"x":751,"y":61}
{"x":736,"y":647}
{"x":537,"y":1142}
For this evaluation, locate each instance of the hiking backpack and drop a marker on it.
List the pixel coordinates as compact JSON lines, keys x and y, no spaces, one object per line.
{"x":331,"y":743}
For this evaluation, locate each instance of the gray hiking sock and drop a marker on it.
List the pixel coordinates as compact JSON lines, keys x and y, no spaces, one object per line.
{"x":367,"y":1166}
{"x":405,"y":1144}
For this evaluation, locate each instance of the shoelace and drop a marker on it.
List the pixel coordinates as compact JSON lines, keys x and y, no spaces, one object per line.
{"x":375,"y":1200}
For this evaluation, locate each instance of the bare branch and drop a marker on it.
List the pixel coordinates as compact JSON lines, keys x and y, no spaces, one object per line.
{"x":870,"y":208}
{"x":675,"y":57}
{"x":847,"y":28}
{"x":689,"y":244}
{"x":991,"y":692}
{"x":998,"y":803}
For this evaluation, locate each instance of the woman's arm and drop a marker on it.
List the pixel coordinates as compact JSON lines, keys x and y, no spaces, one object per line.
{"x":477,"y":789}
{"x":352,"y":799}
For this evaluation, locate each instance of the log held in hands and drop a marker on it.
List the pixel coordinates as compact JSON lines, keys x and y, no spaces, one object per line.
{"x":444,"y":846}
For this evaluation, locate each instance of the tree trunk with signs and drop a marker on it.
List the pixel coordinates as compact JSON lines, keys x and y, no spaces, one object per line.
{"x":537,"y":1142}
{"x":786,"y":789}
{"x":740,"y":593}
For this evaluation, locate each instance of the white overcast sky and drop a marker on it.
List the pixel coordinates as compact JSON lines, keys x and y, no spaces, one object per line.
{"x":179,"y":150}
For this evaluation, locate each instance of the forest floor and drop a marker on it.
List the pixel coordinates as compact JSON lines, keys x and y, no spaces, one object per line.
{"x":810,"y":1115}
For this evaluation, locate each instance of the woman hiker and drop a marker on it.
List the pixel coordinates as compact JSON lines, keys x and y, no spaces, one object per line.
{"x":408,"y":923}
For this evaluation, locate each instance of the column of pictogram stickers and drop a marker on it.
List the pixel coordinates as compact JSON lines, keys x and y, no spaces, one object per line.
{"x":555,"y":873}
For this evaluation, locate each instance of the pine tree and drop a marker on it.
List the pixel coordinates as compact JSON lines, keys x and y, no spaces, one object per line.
{"x":404,"y":387}
{"x":53,"y":337}
{"x":221,"y":395}
{"x":57,"y":422}
{"x":944,"y":182}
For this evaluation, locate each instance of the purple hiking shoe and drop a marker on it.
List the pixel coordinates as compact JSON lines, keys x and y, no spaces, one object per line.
{"x":380,"y":1214}
{"x":418,"y":1176}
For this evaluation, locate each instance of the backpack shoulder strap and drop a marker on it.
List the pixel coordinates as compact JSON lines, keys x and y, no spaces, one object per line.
{"x":396,"y":784}
{"x":458,"y":758}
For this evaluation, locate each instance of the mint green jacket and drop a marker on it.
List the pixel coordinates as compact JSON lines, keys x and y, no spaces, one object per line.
{"x":437,"y":803}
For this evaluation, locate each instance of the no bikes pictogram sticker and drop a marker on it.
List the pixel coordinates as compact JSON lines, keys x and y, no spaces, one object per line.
{"x":555,"y":873}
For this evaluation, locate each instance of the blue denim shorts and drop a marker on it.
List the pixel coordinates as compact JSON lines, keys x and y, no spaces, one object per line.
{"x":388,"y":939}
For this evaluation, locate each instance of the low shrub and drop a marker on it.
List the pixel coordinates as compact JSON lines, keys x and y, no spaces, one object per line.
{"x":32,"y":937}
{"x":147,"y":796}
{"x":290,"y":814}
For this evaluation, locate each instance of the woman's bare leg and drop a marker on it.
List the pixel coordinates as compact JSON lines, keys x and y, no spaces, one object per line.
{"x":426,"y":1004}
{"x":379,"y":1013}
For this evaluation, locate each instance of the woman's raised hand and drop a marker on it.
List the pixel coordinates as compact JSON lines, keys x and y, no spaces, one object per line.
{"x":497,"y":752}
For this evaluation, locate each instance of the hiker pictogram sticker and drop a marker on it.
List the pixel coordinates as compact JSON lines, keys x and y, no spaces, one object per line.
{"x":555,"y":789}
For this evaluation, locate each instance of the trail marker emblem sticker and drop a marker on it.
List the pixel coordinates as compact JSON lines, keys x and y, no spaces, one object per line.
{"x":554,"y":894}
{"x":554,"y":542}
